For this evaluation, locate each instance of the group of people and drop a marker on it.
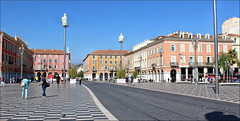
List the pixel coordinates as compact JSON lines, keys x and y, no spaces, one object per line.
{"x":131,"y":80}
{"x":25,"y":84}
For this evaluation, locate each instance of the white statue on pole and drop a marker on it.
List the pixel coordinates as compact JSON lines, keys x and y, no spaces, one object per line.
{"x":64,"y":20}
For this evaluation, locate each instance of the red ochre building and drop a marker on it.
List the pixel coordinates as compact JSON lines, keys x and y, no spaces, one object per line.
{"x":10,"y":57}
{"x":178,"y":56}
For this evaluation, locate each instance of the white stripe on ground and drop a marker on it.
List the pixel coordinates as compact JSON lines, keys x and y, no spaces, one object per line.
{"x":100,"y":106}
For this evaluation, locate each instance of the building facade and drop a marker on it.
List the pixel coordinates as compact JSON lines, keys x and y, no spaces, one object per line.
{"x":175,"y":61}
{"x":102,"y":64}
{"x":10,"y":58}
{"x":231,"y":26}
{"x":50,"y":62}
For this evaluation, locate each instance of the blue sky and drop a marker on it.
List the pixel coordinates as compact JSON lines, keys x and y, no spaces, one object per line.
{"x":96,"y":25}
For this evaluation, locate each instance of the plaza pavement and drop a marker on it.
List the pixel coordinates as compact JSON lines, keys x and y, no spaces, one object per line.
{"x":226,"y":93}
{"x":73,"y":101}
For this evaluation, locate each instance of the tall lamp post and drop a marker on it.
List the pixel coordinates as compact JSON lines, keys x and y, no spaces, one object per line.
{"x":21,"y":52}
{"x":140,"y":68}
{"x":34,"y":58}
{"x":161,"y":52}
{"x":121,"y":37}
{"x":65,"y":25}
{"x":195,"y":43}
{"x":216,"y":45}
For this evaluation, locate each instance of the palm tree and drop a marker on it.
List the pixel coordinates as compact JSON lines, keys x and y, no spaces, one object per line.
{"x":221,"y":62}
{"x":238,"y":64}
{"x":233,"y":55}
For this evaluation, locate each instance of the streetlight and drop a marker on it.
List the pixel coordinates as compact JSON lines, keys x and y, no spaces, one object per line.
{"x":34,"y":58}
{"x":161,"y":52}
{"x":216,"y":46}
{"x":121,"y":37}
{"x":65,"y":25}
{"x":195,"y":43}
{"x":21,"y":49}
{"x":140,"y":68}
{"x":227,"y":67}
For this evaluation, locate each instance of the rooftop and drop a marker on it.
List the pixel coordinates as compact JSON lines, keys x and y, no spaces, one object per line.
{"x":48,"y":51}
{"x":110,"y":52}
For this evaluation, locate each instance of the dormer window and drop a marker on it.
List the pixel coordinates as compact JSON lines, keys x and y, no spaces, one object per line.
{"x":199,"y":36}
{"x":224,"y":37}
{"x":190,"y":35}
{"x":207,"y":36}
{"x":181,"y":35}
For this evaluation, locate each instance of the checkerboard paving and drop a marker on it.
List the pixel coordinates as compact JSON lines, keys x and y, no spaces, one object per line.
{"x":69,"y":102}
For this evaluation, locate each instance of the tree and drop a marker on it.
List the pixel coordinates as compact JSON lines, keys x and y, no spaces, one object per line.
{"x":238,"y":64}
{"x":73,"y":72}
{"x":80,"y":74}
{"x":121,"y":73}
{"x":233,"y":55}
{"x":135,"y":74}
{"x":221,"y":62}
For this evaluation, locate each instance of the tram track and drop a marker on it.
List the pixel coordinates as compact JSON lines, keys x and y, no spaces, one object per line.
{"x":123,"y":99}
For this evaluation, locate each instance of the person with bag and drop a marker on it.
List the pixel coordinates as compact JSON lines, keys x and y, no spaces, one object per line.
{"x":24,"y":84}
{"x":44,"y":86}
{"x":58,"y":80}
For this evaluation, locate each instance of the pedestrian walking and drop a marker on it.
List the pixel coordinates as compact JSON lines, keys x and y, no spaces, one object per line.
{"x":132,"y":80}
{"x":44,"y":86}
{"x":13,"y":80}
{"x":24,"y":84}
{"x":58,"y":80}
{"x":20,"y":80}
{"x":168,"y":79}
{"x":127,"y":80}
{"x":80,"y":80}
{"x":10,"y":80}
{"x":2,"y":81}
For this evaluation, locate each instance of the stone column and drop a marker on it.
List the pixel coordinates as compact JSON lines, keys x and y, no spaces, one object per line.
{"x":205,"y":71}
{"x":186,"y":72}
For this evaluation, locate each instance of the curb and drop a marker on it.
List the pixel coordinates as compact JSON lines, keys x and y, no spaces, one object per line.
{"x":100,"y":106}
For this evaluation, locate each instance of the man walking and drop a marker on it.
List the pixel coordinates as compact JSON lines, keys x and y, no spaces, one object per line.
{"x":43,"y":83}
{"x":126,"y":80}
{"x":132,"y":80}
{"x":58,"y":80}
{"x":80,"y":80}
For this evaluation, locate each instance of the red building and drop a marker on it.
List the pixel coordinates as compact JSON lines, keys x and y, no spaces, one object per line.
{"x":10,"y":57}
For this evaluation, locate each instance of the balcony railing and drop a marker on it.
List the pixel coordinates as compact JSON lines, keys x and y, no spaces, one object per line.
{"x":136,"y":68}
{"x":94,"y":70}
{"x":154,"y":65}
{"x":200,"y":63}
{"x":174,"y":63}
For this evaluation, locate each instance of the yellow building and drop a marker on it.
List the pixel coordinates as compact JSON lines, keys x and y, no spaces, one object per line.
{"x":102,"y":64}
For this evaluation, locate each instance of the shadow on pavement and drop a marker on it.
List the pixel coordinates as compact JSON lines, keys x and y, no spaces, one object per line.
{"x":219,"y":116}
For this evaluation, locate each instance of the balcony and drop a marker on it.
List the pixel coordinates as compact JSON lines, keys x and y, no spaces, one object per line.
{"x":174,"y":63}
{"x":136,"y":68}
{"x":11,"y":63}
{"x":94,"y":70}
{"x":201,"y":64}
{"x":154,"y":65}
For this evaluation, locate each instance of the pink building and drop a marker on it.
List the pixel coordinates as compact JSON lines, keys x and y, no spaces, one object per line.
{"x":50,"y":62}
